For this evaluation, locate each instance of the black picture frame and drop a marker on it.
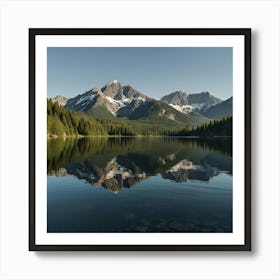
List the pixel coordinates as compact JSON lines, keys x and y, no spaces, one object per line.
{"x":246,"y":32}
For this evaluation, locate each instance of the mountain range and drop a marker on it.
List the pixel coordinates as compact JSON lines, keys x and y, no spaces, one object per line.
{"x":117,"y":101}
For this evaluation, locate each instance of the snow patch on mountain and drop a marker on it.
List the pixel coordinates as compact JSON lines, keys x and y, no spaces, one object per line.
{"x":86,"y":98}
{"x":113,"y":101}
{"x":119,"y":104}
{"x":125,"y":99}
{"x":183,"y":109}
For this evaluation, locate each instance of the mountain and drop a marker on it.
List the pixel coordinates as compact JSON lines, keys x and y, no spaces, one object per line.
{"x":157,"y":111}
{"x":178,"y":100}
{"x":112,"y":98}
{"x":203,"y":101}
{"x":92,"y":98}
{"x":192,"y":102}
{"x":127,"y":110}
{"x":61,"y":100}
{"x":219,"y":110}
{"x":116,"y":91}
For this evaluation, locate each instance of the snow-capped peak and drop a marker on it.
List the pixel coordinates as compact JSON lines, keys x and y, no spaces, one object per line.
{"x":115,"y":97}
{"x":113,"y":82}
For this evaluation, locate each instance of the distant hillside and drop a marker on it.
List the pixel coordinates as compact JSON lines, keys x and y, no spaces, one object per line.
{"x":220,"y":110}
{"x":158,"y":111}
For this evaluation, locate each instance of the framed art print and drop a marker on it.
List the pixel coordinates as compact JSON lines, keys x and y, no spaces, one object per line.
{"x":140,"y":139}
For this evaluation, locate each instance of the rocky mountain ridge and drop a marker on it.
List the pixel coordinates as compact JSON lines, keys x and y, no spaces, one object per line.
{"x":113,"y":96}
{"x":120,"y":101}
{"x":187,"y":103}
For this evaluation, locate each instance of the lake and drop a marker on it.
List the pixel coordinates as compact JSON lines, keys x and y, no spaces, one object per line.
{"x":142,"y":184}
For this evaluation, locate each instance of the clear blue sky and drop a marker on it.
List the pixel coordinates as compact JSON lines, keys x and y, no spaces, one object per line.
{"x":153,"y":71}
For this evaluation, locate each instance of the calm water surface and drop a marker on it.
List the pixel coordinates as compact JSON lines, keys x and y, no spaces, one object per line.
{"x":139,"y":185}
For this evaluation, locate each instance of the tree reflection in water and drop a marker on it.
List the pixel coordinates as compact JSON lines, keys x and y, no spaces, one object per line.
{"x":116,"y":163}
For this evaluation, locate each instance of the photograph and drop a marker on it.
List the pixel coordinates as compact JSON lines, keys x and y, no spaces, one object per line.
{"x":150,"y":151}
{"x":138,"y":140}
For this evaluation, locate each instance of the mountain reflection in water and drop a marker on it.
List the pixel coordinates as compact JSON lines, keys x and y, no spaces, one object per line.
{"x":117,"y":163}
{"x":161,"y":185}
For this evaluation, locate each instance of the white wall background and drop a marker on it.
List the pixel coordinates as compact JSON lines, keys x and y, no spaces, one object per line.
{"x":17,"y":262}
